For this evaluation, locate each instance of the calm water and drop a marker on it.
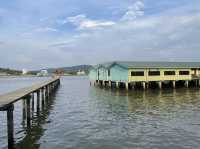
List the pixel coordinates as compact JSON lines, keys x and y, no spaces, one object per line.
{"x":82,"y":117}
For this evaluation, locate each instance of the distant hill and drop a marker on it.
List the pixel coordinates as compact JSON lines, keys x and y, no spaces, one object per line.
{"x":10,"y":71}
{"x":70,"y":69}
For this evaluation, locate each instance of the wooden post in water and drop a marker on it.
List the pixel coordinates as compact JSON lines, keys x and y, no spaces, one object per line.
{"x":10,"y":127}
{"x":46,"y":92}
{"x":38,"y":102}
{"x":174,"y":84}
{"x":187,"y":83}
{"x":23,"y":111}
{"x":160,"y":84}
{"x":28,"y":111}
{"x":33,"y":102}
{"x":43,"y":97}
{"x":117,"y":84}
{"x":144,"y":85}
{"x":198,"y":83}
{"x":127,"y":86}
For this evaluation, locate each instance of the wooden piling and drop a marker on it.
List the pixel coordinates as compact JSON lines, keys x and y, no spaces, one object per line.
{"x":187,"y":83}
{"x":10,"y":127}
{"x":174,"y":84}
{"x":117,"y":84}
{"x":28,"y":118}
{"x":38,"y":102}
{"x":160,"y":84}
{"x":127,"y":86}
{"x":33,"y":102}
{"x":43,"y":97}
{"x":144,"y":85}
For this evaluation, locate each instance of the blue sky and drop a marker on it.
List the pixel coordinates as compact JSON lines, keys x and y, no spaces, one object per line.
{"x":50,"y":33}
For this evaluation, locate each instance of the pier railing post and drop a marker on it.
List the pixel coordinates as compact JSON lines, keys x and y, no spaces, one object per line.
{"x":10,"y":127}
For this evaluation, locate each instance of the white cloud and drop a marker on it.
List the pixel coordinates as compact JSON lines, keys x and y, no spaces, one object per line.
{"x":82,"y":22}
{"x":137,"y":9}
{"x":150,"y":38}
{"x":45,"y":29}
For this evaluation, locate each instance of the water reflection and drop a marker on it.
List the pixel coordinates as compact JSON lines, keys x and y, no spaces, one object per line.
{"x":149,"y":101}
{"x":83,"y":117}
{"x":34,"y":133}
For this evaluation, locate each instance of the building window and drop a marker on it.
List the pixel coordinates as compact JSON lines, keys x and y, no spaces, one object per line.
{"x":137,"y":73}
{"x":154,"y":73}
{"x":108,"y":72}
{"x":169,"y":73}
{"x":184,"y":73}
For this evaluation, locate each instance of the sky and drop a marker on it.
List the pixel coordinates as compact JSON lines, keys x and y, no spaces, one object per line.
{"x":55,"y":33}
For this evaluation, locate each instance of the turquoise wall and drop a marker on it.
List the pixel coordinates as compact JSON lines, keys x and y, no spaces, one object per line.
{"x":118,"y":73}
{"x":93,"y":74}
{"x":103,"y":73}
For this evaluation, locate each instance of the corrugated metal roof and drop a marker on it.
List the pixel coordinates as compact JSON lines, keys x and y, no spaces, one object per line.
{"x":150,"y":64}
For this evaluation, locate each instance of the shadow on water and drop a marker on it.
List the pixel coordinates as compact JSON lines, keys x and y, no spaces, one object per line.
{"x":33,"y":134}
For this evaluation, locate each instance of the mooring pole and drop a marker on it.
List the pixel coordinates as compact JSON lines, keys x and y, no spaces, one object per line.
{"x":10,"y":127}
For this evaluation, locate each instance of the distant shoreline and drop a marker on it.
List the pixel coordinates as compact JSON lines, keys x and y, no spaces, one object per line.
{"x":27,"y":76}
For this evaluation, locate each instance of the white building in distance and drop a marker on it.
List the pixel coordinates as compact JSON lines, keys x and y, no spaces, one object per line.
{"x":43,"y":73}
{"x":24,"y":71}
{"x":81,"y":72}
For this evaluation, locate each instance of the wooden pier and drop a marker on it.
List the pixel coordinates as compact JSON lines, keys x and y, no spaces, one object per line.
{"x":42,"y":90}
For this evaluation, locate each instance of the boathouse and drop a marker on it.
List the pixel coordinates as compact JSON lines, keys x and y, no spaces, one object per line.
{"x":145,"y":74}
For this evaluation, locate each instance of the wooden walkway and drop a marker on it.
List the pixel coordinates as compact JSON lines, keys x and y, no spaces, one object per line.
{"x":7,"y":99}
{"x":43,"y":91}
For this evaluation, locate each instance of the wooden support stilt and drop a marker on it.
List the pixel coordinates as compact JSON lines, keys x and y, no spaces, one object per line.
{"x":174,"y":84}
{"x":47,"y":92}
{"x":38,"y":102}
{"x":198,"y":83}
{"x":147,"y":85}
{"x":10,"y":127}
{"x":43,"y":97}
{"x":144,"y":85}
{"x":33,"y":103}
{"x":133,"y":85}
{"x":127,"y":85}
{"x":117,"y":84}
{"x":187,"y":83}
{"x":160,"y":84}
{"x":23,"y":111}
{"x":110,"y":84}
{"x":28,"y":118}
